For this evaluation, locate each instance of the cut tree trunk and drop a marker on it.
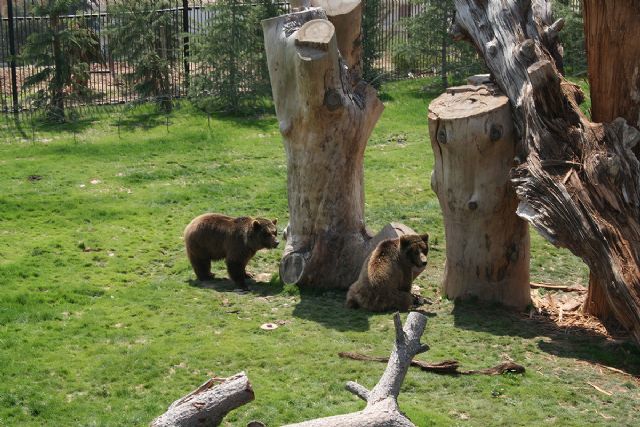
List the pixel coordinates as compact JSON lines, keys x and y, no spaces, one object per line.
{"x":326,"y":114}
{"x":579,"y":182}
{"x":382,"y":401}
{"x":471,"y":132}
{"x":612,"y":36}
{"x":208,"y":404}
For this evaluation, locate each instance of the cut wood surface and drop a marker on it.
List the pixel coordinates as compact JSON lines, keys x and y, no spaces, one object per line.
{"x":326,"y":114}
{"x":208,"y":404}
{"x":487,"y":251}
{"x":578,"y":182}
{"x":382,"y":401}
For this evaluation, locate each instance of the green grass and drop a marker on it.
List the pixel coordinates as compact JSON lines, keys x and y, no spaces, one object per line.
{"x":102,"y":324}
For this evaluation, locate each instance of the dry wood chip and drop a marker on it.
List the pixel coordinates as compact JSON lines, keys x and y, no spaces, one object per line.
{"x":600,"y":389}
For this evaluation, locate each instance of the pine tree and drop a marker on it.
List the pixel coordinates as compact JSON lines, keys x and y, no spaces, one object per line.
{"x":230,"y":50}
{"x":429,"y":44}
{"x":63,"y":52}
{"x":144,"y":33}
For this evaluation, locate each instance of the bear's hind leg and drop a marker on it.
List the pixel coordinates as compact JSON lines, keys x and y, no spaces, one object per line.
{"x":401,"y":301}
{"x":202,"y":267}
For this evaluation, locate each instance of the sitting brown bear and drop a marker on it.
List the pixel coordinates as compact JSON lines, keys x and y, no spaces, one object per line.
{"x":212,"y":236}
{"x":385,"y":279}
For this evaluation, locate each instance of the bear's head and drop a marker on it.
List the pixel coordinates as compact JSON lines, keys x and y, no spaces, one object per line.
{"x":414,"y":249}
{"x":265,"y":233}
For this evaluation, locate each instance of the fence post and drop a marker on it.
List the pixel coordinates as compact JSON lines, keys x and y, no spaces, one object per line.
{"x":12,"y":54}
{"x":185,"y":41}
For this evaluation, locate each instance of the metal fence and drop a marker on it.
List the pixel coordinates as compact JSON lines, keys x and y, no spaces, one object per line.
{"x":187,"y":20}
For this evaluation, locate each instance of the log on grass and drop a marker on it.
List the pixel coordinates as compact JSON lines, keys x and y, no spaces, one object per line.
{"x":471,"y":132}
{"x":382,"y":401}
{"x":578,"y":182}
{"x":446,"y":367}
{"x":326,"y":114}
{"x":208,"y":404}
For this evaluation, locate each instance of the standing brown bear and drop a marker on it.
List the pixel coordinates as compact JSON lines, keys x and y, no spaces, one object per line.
{"x":385,"y":279}
{"x":213,"y":236}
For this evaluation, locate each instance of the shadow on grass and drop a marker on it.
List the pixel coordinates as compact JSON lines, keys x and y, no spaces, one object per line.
{"x":256,"y":287}
{"x":570,"y":342}
{"x":327,"y":308}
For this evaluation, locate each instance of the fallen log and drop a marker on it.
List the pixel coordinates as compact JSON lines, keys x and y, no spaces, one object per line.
{"x":561,"y":288}
{"x":382,"y":401}
{"x":208,"y":404}
{"x":447,"y":367}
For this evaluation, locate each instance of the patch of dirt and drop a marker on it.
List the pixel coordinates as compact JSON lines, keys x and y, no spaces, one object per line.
{"x":564,"y":309}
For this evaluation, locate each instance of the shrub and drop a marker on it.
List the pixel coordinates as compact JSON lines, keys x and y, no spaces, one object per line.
{"x":233,"y":75}
{"x":62,"y":51}
{"x":144,"y":34}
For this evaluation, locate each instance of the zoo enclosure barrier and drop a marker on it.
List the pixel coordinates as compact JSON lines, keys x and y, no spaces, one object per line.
{"x":187,"y":20}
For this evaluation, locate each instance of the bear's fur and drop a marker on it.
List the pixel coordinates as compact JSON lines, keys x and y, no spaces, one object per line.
{"x":385,"y":279}
{"x":213,"y":236}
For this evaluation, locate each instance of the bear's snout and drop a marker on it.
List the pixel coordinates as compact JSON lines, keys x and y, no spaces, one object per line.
{"x":276,"y":243}
{"x":423,"y":260}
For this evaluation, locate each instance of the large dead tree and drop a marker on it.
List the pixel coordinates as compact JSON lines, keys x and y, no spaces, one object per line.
{"x":326,"y":114}
{"x":578,"y":181}
{"x":487,"y":243}
{"x":382,"y":401}
{"x":612,"y":36}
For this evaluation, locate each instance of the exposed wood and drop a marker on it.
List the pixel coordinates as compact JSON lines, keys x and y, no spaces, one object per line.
{"x":593,"y":211}
{"x":382,"y":401}
{"x":208,"y":404}
{"x":612,"y":36}
{"x":473,"y":143}
{"x":326,"y":114}
{"x":449,"y":367}
{"x":345,"y":15}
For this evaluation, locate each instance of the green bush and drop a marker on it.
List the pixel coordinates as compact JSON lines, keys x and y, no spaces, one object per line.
{"x":145,"y":35}
{"x":233,"y":76}
{"x":61,"y":52}
{"x":429,"y":45}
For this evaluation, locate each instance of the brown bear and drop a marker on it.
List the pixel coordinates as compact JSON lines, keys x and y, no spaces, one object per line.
{"x":385,"y":279}
{"x":213,"y":236}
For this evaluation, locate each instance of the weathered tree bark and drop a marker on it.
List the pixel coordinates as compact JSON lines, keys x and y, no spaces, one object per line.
{"x":208,"y":404}
{"x":382,"y":401}
{"x":579,"y":184}
{"x":612,"y":38}
{"x":471,"y":132}
{"x":326,"y":114}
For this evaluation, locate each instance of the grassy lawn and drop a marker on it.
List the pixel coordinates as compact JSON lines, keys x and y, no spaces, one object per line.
{"x":101,"y":322}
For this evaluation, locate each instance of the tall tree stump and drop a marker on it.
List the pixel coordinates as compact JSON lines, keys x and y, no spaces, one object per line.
{"x":326,"y":114}
{"x":487,"y":243}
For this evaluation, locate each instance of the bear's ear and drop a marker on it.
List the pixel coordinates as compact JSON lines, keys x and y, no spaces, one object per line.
{"x":425,"y":237}
{"x":404,"y":242}
{"x":275,"y":221}
{"x":256,"y":224}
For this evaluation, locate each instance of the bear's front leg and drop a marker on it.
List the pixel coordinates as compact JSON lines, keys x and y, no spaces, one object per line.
{"x":237,"y":273}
